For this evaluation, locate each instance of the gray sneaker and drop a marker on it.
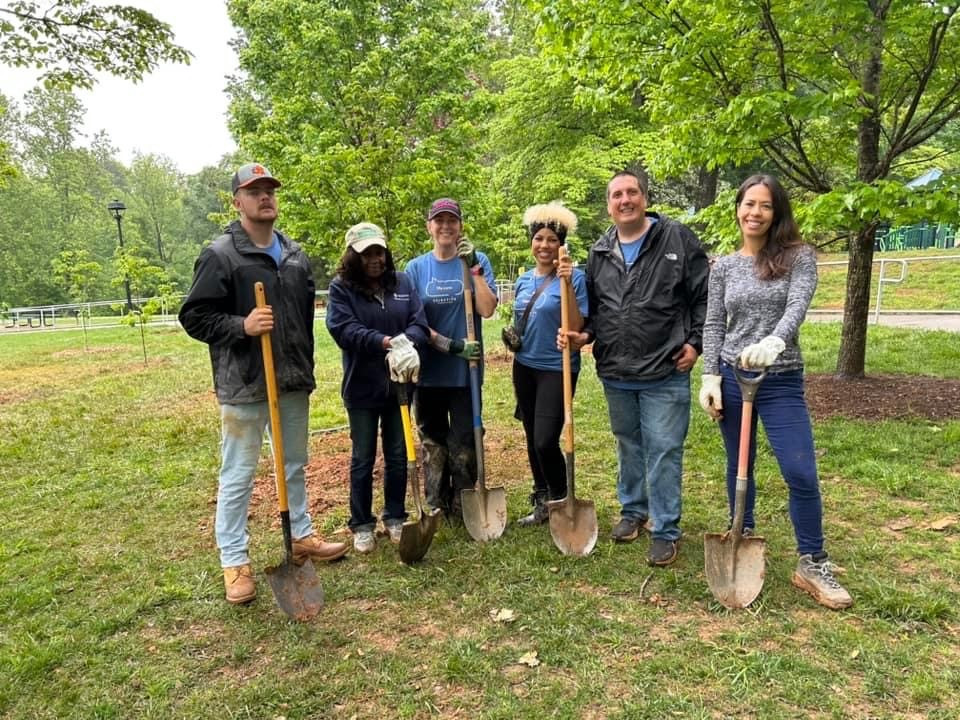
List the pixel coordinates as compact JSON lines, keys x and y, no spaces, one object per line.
{"x":628,"y":529}
{"x":364,"y":541}
{"x":539,"y":516}
{"x":816,"y":578}
{"x":394,"y":530}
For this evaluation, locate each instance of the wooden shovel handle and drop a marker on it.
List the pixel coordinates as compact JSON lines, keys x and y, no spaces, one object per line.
{"x":274,"y":404}
{"x":567,"y":372}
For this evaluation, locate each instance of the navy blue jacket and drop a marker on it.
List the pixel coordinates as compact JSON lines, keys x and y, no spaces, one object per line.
{"x":358,"y":323}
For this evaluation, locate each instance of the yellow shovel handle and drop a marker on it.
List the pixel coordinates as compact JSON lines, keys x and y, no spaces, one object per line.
{"x":274,"y":404}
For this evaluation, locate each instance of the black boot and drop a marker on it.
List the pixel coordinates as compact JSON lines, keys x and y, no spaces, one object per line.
{"x":540,"y":514}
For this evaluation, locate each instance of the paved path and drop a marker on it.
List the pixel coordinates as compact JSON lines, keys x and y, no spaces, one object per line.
{"x":928,"y":320}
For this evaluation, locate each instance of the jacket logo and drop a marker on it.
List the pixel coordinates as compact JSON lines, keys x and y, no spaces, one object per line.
{"x":671,"y":256}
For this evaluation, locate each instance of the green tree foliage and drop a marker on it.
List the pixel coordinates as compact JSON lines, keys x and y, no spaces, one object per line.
{"x":832,"y":96}
{"x":69,"y":40}
{"x":365,"y":110}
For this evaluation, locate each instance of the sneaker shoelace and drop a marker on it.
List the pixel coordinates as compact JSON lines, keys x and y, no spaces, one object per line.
{"x":825,"y":571}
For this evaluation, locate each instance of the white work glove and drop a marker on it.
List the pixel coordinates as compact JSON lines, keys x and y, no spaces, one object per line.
{"x":762,"y":354}
{"x":403,"y":360}
{"x":710,"y":398}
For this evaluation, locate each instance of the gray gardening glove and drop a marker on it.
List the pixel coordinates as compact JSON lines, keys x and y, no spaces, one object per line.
{"x":466,"y":251}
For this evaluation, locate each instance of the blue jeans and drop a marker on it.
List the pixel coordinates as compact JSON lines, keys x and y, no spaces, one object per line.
{"x":650,"y":425}
{"x":781,"y":406}
{"x":241,"y":430}
{"x":363,"y":435}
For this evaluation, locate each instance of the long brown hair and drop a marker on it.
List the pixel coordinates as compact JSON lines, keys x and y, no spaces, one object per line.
{"x":783,"y":239}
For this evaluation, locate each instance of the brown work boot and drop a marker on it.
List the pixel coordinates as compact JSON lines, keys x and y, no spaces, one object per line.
{"x":239,"y":584}
{"x":315,"y":548}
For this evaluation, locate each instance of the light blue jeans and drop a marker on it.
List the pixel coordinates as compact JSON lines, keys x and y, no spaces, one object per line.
{"x":650,"y":425}
{"x":242,"y":428}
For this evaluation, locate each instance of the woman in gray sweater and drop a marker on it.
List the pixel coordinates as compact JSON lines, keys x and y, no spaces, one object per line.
{"x":758,"y":297}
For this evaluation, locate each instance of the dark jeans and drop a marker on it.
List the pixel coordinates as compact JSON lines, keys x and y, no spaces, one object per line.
{"x":540,"y":405}
{"x":445,"y":420}
{"x":363,"y":435}
{"x":781,"y":406}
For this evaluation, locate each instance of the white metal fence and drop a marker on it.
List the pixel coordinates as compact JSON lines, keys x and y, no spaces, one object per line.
{"x":108,"y":312}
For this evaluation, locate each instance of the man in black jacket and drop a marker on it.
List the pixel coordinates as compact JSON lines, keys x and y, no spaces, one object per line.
{"x":647,"y":288}
{"x":220,"y":310}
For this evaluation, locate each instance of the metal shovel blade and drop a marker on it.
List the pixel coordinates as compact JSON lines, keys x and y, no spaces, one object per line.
{"x":296,"y":589}
{"x":573,"y":525}
{"x":484,"y":511}
{"x":735,"y":567}
{"x":416,"y":536}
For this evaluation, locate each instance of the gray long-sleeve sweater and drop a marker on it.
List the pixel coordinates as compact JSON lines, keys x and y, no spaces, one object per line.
{"x":741,"y":309}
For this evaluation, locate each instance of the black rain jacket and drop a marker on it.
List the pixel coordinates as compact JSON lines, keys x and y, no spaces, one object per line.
{"x":222,"y":296}
{"x":640,"y":318}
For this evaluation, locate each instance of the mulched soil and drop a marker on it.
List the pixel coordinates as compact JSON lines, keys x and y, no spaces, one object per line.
{"x":883,"y":397}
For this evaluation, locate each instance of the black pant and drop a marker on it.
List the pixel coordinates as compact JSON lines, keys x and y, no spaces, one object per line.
{"x":363,"y":435}
{"x":445,"y":421}
{"x":540,"y":408}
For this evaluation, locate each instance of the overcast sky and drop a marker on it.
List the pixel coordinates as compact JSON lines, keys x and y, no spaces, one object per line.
{"x":178,"y":110}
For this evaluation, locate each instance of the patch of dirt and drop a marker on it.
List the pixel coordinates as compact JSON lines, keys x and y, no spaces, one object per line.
{"x":883,"y":397}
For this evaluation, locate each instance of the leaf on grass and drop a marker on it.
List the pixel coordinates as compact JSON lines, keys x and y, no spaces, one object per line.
{"x":503,"y":615}
{"x":942,"y":524}
{"x":529,"y":659}
{"x":901,"y":523}
{"x":854,"y":655}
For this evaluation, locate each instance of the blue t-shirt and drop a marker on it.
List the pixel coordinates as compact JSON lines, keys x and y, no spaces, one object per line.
{"x":539,"y":349}
{"x":631,"y":250}
{"x":440,"y":285}
{"x":274,"y":250}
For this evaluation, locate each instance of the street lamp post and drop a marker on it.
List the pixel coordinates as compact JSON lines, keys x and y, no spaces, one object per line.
{"x":116,"y":209}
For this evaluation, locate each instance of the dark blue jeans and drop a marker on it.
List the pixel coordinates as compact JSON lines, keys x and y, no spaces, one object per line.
{"x":781,"y":406}
{"x":363,"y":435}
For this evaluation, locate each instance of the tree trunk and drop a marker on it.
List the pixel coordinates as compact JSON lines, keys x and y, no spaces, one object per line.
{"x":706,"y":188}
{"x":156,"y":228}
{"x":856,"y":307}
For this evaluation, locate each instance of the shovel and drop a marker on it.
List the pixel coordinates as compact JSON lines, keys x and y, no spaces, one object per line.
{"x":573,"y":523}
{"x":734,"y":564}
{"x":417,"y":534}
{"x":296,"y":587}
{"x":484,"y":509}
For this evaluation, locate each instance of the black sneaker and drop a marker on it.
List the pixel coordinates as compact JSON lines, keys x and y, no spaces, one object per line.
{"x":662,"y":552}
{"x":628,"y":529}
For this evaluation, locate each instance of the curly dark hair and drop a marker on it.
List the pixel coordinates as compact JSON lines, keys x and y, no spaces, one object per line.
{"x":350,"y":271}
{"x":783,"y":239}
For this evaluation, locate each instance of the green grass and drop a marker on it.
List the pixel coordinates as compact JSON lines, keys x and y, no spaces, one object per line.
{"x":931,"y":285}
{"x":111,"y":597}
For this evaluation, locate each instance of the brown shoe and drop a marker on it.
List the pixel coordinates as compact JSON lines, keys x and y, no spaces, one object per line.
{"x":313,"y":547}
{"x":239,"y":584}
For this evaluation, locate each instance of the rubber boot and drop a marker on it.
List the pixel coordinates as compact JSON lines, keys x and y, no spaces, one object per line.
{"x":540,"y":514}
{"x":436,"y":477}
